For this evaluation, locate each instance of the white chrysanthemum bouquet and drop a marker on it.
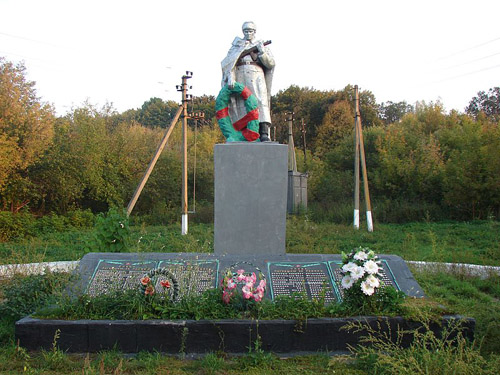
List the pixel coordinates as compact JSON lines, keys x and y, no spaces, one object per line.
{"x":361,"y":271}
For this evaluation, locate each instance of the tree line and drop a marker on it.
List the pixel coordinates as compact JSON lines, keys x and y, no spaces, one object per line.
{"x":423,"y":163}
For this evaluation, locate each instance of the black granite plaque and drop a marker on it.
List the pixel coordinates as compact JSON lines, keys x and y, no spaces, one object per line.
{"x":193,"y":276}
{"x":310,"y":279}
{"x":310,"y":274}
{"x":385,"y":276}
{"x":113,"y":275}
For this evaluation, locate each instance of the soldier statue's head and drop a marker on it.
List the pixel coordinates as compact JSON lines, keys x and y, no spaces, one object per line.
{"x":249,"y":30}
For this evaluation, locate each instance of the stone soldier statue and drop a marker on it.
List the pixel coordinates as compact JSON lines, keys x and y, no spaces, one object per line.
{"x":250,"y":63}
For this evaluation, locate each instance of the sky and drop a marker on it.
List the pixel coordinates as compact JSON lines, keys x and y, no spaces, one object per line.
{"x":126,"y":52}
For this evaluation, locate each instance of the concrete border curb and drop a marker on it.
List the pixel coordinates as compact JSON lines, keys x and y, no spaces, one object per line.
{"x":475,"y":270}
{"x":9,"y":270}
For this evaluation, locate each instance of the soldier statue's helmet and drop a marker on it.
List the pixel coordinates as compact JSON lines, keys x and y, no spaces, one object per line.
{"x":249,"y":25}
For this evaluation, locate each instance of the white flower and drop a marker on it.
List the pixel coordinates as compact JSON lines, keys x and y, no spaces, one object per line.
{"x":347,"y":282}
{"x":349,"y":267}
{"x":357,"y":272}
{"x":367,"y":289}
{"x":373,"y":281}
{"x":361,"y":255}
{"x":371,"y":267}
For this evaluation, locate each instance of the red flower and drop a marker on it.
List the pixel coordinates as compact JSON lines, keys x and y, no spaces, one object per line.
{"x":145,"y":280}
{"x":150,"y":290}
{"x":165,"y":283}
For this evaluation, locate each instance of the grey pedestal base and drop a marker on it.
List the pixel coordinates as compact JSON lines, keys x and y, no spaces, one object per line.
{"x":250,"y":198}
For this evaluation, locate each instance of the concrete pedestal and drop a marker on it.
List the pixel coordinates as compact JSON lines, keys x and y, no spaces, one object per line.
{"x":250,"y":198}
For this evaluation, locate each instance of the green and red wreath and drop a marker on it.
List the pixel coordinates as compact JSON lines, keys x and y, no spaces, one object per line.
{"x":245,"y":129}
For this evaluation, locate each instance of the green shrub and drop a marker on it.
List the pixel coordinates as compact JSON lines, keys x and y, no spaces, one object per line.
{"x":21,"y":225}
{"x":51,"y":223}
{"x":22,"y":295}
{"x":81,"y":218}
{"x":16,"y":225}
{"x":112,"y":231}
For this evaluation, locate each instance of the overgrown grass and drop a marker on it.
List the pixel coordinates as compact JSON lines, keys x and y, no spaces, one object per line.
{"x":474,"y":242}
{"x":133,"y":305}
{"x":466,"y":242}
{"x":470,"y":296}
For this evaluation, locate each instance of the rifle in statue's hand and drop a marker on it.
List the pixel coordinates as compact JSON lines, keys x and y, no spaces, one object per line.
{"x":253,"y":51}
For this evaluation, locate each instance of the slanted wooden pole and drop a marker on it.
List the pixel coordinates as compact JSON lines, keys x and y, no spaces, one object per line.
{"x":363,"y":164}
{"x":151,"y":165}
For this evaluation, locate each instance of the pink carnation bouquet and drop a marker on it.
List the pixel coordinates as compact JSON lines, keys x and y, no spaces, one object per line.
{"x":251,"y":287}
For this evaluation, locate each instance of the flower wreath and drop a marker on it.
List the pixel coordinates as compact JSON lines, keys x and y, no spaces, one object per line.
{"x":246,"y":128}
{"x":168,"y":282}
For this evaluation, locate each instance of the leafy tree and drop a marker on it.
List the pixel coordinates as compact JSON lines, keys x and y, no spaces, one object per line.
{"x":307,"y":104}
{"x":337,"y":123}
{"x":26,"y":129}
{"x":155,"y":112}
{"x":368,"y":106}
{"x":390,"y":112}
{"x":472,"y":170}
{"x":205,"y":104}
{"x":487,"y":103}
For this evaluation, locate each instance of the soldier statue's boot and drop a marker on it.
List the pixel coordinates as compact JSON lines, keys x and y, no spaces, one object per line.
{"x":264,"y":131}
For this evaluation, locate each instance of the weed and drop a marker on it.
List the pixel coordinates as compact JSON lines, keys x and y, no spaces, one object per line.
{"x":112,"y":231}
{"x":55,"y":359}
{"x":429,"y":353}
{"x":256,"y":357}
{"x":212,"y":363}
{"x":109,"y":360}
{"x":184,"y":336}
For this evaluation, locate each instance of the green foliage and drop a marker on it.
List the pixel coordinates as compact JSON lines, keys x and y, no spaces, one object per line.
{"x":471,"y":297}
{"x":24,"y":225}
{"x":112,"y":231}
{"x":26,"y":130}
{"x":429,"y":353}
{"x":134,"y":305}
{"x":212,"y":363}
{"x":15,"y":225}
{"x":157,"y":113}
{"x":486,"y":103}
{"x":390,"y":112}
{"x":22,"y":295}
{"x":445,"y":354}
{"x":386,"y":301}
{"x":336,"y":125}
{"x":446,"y":165}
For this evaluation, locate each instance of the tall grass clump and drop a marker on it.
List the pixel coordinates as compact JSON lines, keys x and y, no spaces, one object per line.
{"x":446,"y":353}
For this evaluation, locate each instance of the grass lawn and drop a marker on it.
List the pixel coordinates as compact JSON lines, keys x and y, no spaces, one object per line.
{"x":475,"y":242}
{"x":465,"y":242}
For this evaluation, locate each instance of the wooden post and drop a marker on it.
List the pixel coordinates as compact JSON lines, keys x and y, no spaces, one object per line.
{"x":292,"y":160}
{"x":195,"y":116}
{"x":363,"y":164}
{"x":304,"y":143}
{"x":356,"y":168}
{"x":185,"y":99}
{"x":151,"y":165}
